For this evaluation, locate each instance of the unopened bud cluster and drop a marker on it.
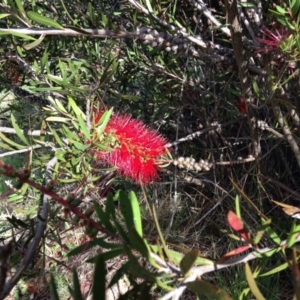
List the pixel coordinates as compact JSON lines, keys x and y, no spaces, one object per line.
{"x":149,"y":36}
{"x":218,"y":126}
{"x":262,"y":125}
{"x":191,"y":164}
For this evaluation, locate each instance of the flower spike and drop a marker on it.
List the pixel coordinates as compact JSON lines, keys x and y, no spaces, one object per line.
{"x":136,"y":149}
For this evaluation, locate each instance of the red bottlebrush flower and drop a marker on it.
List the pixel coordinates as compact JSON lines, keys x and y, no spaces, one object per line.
{"x":241,"y":105}
{"x":15,"y":79}
{"x":136,"y":148}
{"x":273,"y":39}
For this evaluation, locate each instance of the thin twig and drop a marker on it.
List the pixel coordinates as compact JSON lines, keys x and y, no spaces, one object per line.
{"x":198,"y":133}
{"x":203,"y":8}
{"x":14,"y":152}
{"x":25,"y":132}
{"x":198,"y":41}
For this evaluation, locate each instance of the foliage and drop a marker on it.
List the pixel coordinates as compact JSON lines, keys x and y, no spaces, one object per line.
{"x":85,"y":89}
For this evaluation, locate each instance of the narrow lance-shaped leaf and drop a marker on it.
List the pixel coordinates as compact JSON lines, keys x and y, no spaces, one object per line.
{"x":161,"y":237}
{"x":107,"y":255}
{"x":136,"y":213}
{"x":102,"y":122}
{"x":76,"y":287}
{"x":188,"y":261}
{"x":127,"y":210}
{"x":273,"y":235}
{"x":18,"y":130}
{"x":10,"y":142}
{"x":2,"y":16}
{"x":210,"y":291}
{"x":236,"y":223}
{"x":252,"y":284}
{"x":260,"y":232}
{"x":43,"y":20}
{"x":293,"y":235}
{"x":275,"y":270}
{"x":104,"y":217}
{"x":99,"y":281}
{"x":233,"y":253}
{"x":15,"y":32}
{"x":34,"y":44}
{"x":53,"y":289}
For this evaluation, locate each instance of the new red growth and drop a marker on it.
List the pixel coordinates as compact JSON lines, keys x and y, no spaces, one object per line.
{"x":136,"y":149}
{"x":272,"y":40}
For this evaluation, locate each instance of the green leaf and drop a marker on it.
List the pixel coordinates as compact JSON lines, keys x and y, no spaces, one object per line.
{"x":120,"y":273}
{"x":76,"y":287}
{"x":159,"y":231}
{"x":280,"y":10}
{"x":62,"y":72}
{"x":17,"y":222}
{"x":107,"y":255}
{"x":59,"y":106}
{"x":44,"y":60}
{"x":260,"y":232}
{"x":56,"y":136}
{"x":58,"y":119}
{"x":137,"y":269}
{"x":46,"y":89}
{"x":2,"y":16}
{"x":16,"y":33}
{"x":79,"y":146}
{"x":99,"y":280}
{"x":139,"y":292}
{"x":69,"y":134}
{"x":273,"y":235}
{"x":35,"y":43}
{"x":136,"y":213}
{"x":53,"y":289}
{"x":75,"y":108}
{"x":5,"y":146}
{"x":20,"y":6}
{"x":252,"y":284}
{"x":267,"y":254}
{"x":149,"y":6}
{"x":10,"y":142}
{"x":18,"y":130}
{"x":83,"y":127}
{"x":294,"y":234}
{"x":124,"y":96}
{"x":104,"y":20}
{"x":95,"y":242}
{"x":295,"y":5}
{"x":138,"y":243}
{"x":103,"y":121}
{"x":176,"y":257}
{"x":210,"y":291}
{"x":103,"y":217}
{"x":188,"y":261}
{"x":127,"y":210}
{"x":123,"y":234}
{"x":237,"y":206}
{"x":92,"y":13}
{"x":43,"y":20}
{"x":275,"y":270}
{"x":110,"y":206}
